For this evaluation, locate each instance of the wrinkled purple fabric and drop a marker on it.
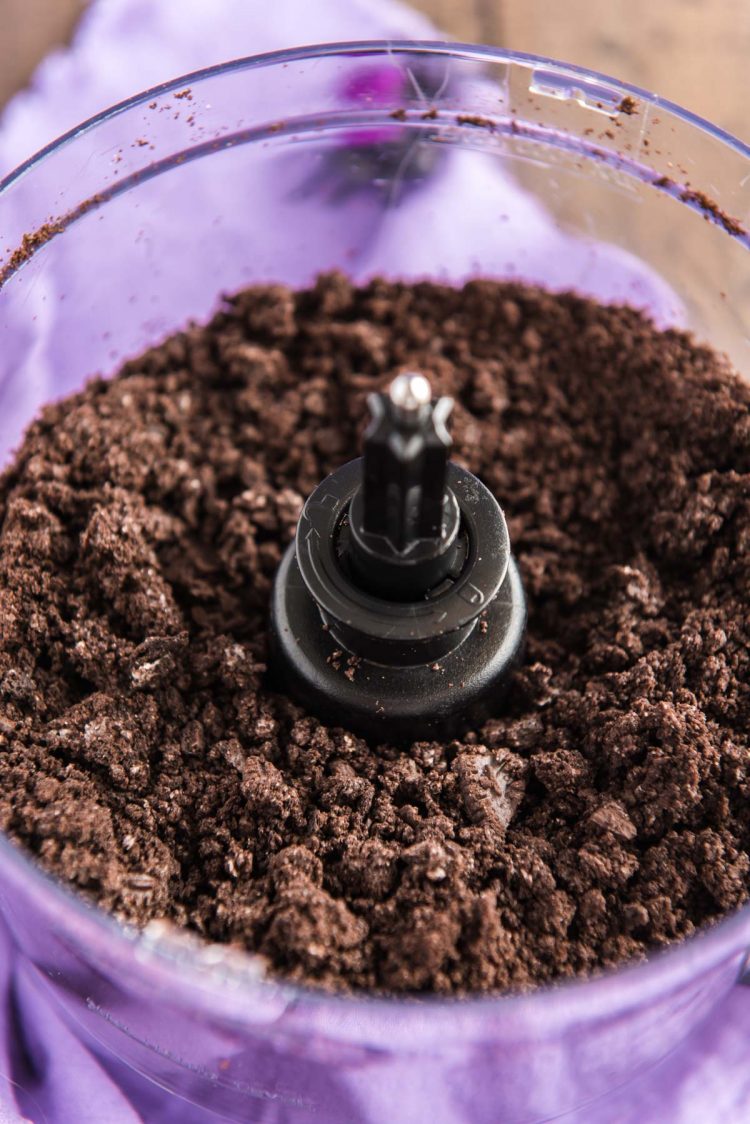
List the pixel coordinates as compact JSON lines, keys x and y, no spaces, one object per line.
{"x":46,"y":1073}
{"x":123,"y":46}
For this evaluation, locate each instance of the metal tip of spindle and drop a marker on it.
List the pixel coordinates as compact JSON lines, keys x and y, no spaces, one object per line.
{"x":409,"y":393}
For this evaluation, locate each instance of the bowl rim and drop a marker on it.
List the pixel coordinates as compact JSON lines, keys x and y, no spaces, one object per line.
{"x":469,"y":52}
{"x":467,"y":1017}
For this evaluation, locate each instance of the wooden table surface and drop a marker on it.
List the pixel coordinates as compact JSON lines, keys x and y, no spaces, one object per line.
{"x":696,"y":52}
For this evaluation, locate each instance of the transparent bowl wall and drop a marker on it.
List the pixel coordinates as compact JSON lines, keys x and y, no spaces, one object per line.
{"x":275,"y":169}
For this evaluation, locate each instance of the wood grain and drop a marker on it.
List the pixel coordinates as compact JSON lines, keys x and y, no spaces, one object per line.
{"x":473,"y":21}
{"x":31,"y":28}
{"x":694,"y":52}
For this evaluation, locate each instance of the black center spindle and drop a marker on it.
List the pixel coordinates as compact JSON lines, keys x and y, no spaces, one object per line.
{"x":404,"y":520}
{"x":398,"y":611}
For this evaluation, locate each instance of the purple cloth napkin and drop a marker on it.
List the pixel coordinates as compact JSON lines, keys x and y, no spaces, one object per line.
{"x":46,"y":1074}
{"x":123,"y":46}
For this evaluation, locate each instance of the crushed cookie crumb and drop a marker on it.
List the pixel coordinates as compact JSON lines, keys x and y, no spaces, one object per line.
{"x":476,"y":120}
{"x":627,"y":105}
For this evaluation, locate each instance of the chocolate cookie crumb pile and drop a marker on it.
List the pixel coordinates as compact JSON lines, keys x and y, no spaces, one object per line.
{"x":603,"y":810}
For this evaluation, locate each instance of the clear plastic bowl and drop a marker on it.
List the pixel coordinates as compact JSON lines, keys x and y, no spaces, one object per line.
{"x":413,"y":160}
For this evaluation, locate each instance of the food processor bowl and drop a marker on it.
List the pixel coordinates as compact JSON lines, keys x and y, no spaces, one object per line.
{"x":413,"y":160}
